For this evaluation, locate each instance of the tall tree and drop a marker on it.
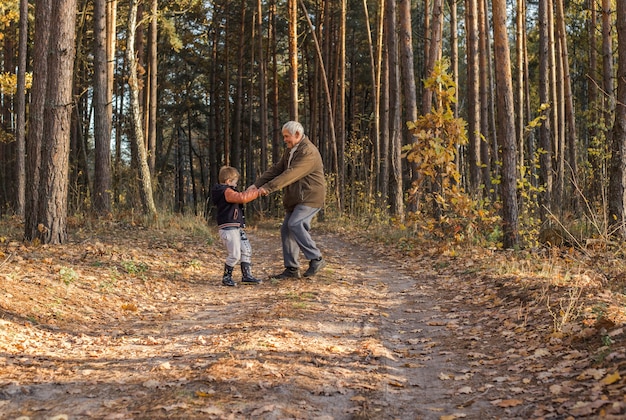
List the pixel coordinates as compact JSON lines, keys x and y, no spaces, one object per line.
{"x":151,"y":88}
{"x":569,"y":117}
{"x":262,"y":71}
{"x":405,"y":39}
{"x":473,"y":98}
{"x":43,"y":10}
{"x":20,"y":131}
{"x":545,"y":142}
{"x":617,"y":181}
{"x":293,"y":59}
{"x":102,"y":114}
{"x":53,"y":181}
{"x":607,"y":65}
{"x":484,"y":60}
{"x":145,"y":183}
{"x":506,"y":124}
{"x":395,"y":118}
{"x":433,"y":47}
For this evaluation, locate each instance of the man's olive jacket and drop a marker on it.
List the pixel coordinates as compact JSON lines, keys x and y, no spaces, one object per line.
{"x":302,"y":179}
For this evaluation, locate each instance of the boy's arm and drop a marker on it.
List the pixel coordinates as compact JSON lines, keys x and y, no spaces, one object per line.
{"x":233,"y":196}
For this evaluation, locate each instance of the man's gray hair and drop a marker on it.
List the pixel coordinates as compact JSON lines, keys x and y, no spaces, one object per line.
{"x":293,"y":127}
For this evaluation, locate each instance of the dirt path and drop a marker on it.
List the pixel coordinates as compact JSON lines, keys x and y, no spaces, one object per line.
{"x":369,"y":337}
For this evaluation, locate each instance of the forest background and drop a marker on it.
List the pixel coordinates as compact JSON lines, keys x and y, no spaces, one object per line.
{"x":500,"y":122}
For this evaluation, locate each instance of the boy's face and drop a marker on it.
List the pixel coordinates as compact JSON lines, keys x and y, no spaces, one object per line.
{"x":232,"y":182}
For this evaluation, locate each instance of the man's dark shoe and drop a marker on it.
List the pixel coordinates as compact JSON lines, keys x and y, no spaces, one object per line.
{"x":289,"y":273}
{"x":315,"y":266}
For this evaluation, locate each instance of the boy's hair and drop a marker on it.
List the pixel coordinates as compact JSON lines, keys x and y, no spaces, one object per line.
{"x":226,"y":173}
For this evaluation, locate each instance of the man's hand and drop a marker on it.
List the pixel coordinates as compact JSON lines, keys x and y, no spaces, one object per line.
{"x":251,"y":188}
{"x":263,"y":192}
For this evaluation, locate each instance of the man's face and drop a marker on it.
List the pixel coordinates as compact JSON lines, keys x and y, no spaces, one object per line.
{"x":291,"y":139}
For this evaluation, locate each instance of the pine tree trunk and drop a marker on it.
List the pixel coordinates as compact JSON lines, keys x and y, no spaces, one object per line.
{"x":473,"y":98}
{"x":506,"y":125}
{"x":617,"y":181}
{"x":395,"y":126}
{"x":545,"y":142}
{"x":53,"y":183}
{"x":145,"y":183}
{"x":43,"y":11}
{"x":20,"y":127}
{"x":293,"y":58}
{"x":102,"y":115}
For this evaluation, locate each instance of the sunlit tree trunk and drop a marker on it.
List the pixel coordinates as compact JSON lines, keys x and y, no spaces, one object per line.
{"x":556,"y":114}
{"x":505,"y":124}
{"x":607,"y":66}
{"x":384,"y":129}
{"x":405,"y":39}
{"x":102,"y":114}
{"x":592,"y":103}
{"x":473,"y":98}
{"x":151,"y":94}
{"x":20,"y":111}
{"x":53,"y":181}
{"x":293,"y":58}
{"x":454,"y":50}
{"x":235,"y":152}
{"x":433,"y":47}
{"x":145,"y":184}
{"x":570,"y":136}
{"x":341,"y":111}
{"x":519,"y":54}
{"x":261,"y":74}
{"x":545,"y":141}
{"x":276,"y":134}
{"x":617,"y":181}
{"x":484,"y":56}
{"x":395,"y":123}
{"x":35,"y":133}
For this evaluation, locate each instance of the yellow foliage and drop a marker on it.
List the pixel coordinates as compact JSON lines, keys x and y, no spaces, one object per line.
{"x":8,"y":83}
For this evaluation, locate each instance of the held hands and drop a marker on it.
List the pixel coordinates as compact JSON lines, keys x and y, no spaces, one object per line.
{"x":262,"y":191}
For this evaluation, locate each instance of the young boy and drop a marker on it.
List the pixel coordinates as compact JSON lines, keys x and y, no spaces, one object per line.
{"x":231,"y":223}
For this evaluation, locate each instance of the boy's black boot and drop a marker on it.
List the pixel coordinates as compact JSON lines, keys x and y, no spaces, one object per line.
{"x":247,"y":277}
{"x":227,"y":279}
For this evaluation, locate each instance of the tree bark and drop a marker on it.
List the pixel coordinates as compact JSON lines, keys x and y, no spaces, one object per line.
{"x":262,"y":71}
{"x":102,"y":114}
{"x":20,"y":111}
{"x":395,"y":130}
{"x":506,"y":125}
{"x":43,"y":10}
{"x":151,"y":94}
{"x":571,"y":139}
{"x":53,"y":183}
{"x":545,"y":142}
{"x":473,"y":98}
{"x":145,"y":183}
{"x":617,"y":181}
{"x":293,"y":59}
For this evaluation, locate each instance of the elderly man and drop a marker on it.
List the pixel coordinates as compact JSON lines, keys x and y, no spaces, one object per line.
{"x":300,"y":172}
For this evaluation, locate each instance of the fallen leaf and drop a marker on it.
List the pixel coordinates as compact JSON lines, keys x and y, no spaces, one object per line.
{"x":611,"y":379}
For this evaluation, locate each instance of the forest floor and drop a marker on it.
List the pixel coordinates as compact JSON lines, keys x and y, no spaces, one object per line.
{"x":130,"y":323}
